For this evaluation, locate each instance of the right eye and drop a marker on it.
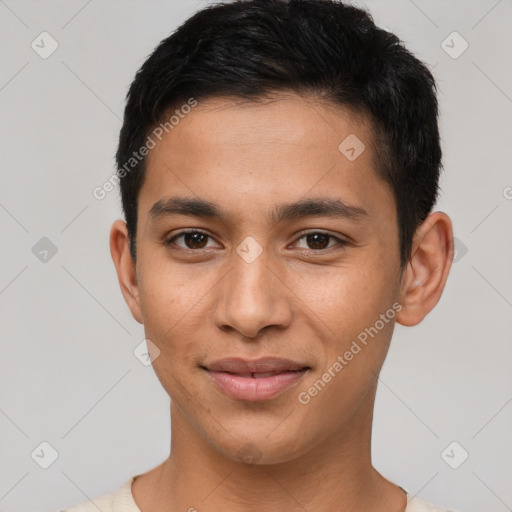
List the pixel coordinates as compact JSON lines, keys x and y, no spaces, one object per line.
{"x":193,"y":240}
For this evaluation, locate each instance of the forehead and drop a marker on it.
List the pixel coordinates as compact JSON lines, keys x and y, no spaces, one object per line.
{"x":256,"y":153}
{"x":282,"y":119}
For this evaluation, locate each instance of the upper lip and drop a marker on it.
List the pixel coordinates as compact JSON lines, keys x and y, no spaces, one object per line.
{"x":261,"y":365}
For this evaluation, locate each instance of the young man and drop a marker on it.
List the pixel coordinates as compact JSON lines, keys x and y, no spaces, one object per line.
{"x":278,"y":165}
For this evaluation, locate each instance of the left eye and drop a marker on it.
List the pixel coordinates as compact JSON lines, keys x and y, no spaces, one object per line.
{"x":318,"y":240}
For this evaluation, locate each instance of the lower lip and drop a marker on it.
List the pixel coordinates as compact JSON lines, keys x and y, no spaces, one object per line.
{"x":255,"y":388}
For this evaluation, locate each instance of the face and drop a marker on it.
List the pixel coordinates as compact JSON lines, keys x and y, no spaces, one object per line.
{"x":259,"y":236}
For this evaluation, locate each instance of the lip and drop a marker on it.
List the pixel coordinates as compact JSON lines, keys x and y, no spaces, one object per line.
{"x":249,"y":380}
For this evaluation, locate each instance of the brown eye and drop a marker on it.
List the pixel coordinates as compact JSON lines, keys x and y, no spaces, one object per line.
{"x":191,"y":239}
{"x":195,"y":240}
{"x":318,"y":241}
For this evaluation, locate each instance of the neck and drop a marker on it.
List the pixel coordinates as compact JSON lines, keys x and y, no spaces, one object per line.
{"x":333,"y":475}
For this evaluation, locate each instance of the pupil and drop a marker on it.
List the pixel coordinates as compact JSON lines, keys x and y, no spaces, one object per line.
{"x":195,"y":240}
{"x":315,"y":240}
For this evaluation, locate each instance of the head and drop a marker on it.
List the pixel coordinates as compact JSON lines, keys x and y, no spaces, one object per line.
{"x":300,"y":142}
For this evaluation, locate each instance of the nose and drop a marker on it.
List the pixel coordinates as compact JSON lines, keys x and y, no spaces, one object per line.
{"x":252,"y":297}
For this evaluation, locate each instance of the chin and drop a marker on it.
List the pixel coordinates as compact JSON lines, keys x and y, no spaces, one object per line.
{"x":260,"y":447}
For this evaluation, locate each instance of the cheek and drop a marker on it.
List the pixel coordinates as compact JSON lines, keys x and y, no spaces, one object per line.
{"x":170,"y":294}
{"x":346,"y":299}
{"x":172,"y":308}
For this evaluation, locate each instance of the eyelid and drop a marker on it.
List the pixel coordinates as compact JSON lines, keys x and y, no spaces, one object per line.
{"x":311,"y":231}
{"x":341,"y":241}
{"x":170,"y":240}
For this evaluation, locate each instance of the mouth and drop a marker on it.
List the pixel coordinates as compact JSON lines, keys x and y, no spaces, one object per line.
{"x":255,"y":380}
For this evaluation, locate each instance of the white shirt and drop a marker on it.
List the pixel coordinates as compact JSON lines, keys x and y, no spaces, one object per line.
{"x":121,"y":500}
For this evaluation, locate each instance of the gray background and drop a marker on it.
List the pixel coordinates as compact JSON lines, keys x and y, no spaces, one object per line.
{"x":68,"y":375}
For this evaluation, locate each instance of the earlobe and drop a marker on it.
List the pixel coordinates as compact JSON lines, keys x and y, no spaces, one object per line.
{"x":427,"y":269}
{"x":125,"y":267}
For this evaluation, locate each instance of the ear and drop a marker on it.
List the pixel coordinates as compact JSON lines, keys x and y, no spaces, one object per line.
{"x":427,"y":270}
{"x":125,"y":267}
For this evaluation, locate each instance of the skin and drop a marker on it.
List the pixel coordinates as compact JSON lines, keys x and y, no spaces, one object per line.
{"x":297,"y":300}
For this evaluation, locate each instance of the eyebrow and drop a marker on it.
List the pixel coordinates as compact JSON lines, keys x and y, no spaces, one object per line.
{"x":312,"y":207}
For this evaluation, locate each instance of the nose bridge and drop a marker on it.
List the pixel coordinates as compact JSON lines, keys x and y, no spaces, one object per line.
{"x":252,"y":297}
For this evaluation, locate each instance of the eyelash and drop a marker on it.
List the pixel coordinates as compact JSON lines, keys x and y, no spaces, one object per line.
{"x":340,"y":242}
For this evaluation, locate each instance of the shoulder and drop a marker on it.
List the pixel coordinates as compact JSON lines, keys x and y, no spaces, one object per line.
{"x":104,"y":503}
{"x":418,"y":505}
{"x":121,"y":500}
